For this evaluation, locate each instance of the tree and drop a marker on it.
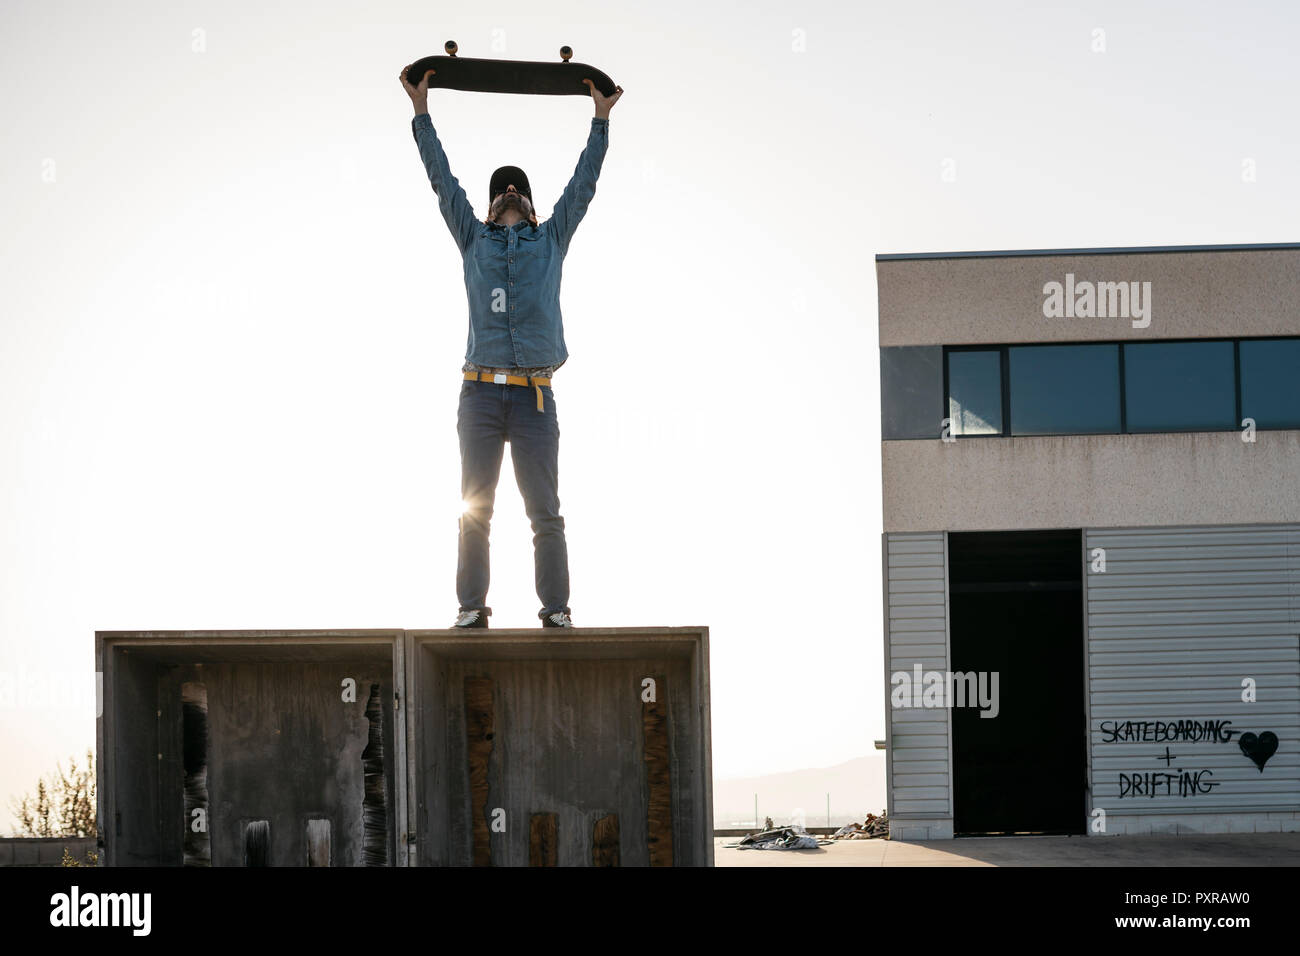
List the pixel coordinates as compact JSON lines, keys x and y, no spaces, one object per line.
{"x":64,"y":804}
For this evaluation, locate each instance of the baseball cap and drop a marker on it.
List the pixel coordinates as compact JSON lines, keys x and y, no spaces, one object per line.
{"x":509,"y":176}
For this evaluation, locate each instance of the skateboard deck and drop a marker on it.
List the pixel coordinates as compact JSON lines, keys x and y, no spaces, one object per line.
{"x":564,"y":78}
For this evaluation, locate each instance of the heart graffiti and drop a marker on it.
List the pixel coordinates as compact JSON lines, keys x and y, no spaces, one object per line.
{"x":1260,"y":748}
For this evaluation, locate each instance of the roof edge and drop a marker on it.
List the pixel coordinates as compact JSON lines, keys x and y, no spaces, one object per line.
{"x":1098,"y":251}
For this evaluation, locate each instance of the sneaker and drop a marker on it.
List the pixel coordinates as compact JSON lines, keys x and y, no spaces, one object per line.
{"x":558,"y":619}
{"x":471,"y":619}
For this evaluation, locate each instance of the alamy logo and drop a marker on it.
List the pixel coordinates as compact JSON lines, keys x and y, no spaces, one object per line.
{"x":102,"y":909}
{"x":946,"y":689}
{"x":1100,"y":300}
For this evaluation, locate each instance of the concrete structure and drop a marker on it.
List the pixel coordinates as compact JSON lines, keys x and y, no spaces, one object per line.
{"x":389,"y":747}
{"x":283,"y":748}
{"x":1091,"y":483}
{"x":590,"y":725}
{"x":44,"y":851}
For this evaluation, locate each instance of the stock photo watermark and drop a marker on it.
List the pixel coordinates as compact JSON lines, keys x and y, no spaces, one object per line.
{"x":1098,"y":300}
{"x":921,"y":688}
{"x":23,"y":689}
{"x":77,"y":909}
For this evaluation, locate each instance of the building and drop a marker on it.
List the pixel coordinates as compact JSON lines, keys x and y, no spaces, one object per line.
{"x":1091,"y":483}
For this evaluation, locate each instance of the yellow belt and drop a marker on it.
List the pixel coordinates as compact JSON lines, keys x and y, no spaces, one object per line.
{"x":500,"y":379}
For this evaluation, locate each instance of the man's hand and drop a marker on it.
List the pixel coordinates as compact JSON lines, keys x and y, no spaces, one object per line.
{"x":603,"y":103}
{"x":419,"y":94}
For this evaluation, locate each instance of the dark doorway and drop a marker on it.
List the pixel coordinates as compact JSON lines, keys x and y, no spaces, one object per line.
{"x":1016,"y":608}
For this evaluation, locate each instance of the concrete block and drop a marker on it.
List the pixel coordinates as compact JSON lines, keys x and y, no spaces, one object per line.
{"x":295,"y":748}
{"x":526,"y":743}
{"x":26,"y":853}
{"x":203,"y":732}
{"x":1264,"y":825}
{"x":50,"y":852}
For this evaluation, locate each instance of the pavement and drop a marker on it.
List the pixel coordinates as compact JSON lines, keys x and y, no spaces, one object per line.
{"x":1226,"y":849}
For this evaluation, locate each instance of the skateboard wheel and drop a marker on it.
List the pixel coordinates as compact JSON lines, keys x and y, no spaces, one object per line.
{"x":450,"y":47}
{"x":565,"y":53}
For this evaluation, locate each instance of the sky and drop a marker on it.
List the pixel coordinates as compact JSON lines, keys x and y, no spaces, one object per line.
{"x":232,"y":318}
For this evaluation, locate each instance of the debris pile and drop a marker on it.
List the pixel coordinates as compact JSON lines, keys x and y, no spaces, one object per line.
{"x":783,"y":838}
{"x":875,"y":827}
{"x":795,"y":837}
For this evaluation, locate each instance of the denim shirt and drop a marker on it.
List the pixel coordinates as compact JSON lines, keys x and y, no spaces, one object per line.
{"x":512,"y":275}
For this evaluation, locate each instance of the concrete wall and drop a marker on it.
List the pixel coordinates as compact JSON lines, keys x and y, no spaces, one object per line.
{"x":568,"y":739}
{"x":284,"y":741}
{"x":43,"y":851}
{"x":285,"y":748}
{"x":999,"y":299}
{"x":1077,"y":481}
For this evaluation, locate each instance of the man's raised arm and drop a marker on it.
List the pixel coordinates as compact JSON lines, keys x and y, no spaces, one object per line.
{"x":452,"y":201}
{"x":582,"y":186}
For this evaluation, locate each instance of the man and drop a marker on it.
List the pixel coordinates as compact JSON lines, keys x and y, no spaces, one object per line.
{"x":512,"y":269}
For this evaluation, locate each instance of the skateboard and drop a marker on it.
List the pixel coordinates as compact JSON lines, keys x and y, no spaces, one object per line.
{"x":509,"y":76}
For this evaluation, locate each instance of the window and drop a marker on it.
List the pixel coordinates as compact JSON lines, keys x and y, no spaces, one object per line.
{"x":1270,"y":382}
{"x":1064,"y":389}
{"x":1180,"y":386}
{"x":1116,"y":388}
{"x":975,"y":391}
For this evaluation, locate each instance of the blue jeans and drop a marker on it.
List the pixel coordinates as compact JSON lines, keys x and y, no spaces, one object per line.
{"x":489,"y":416}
